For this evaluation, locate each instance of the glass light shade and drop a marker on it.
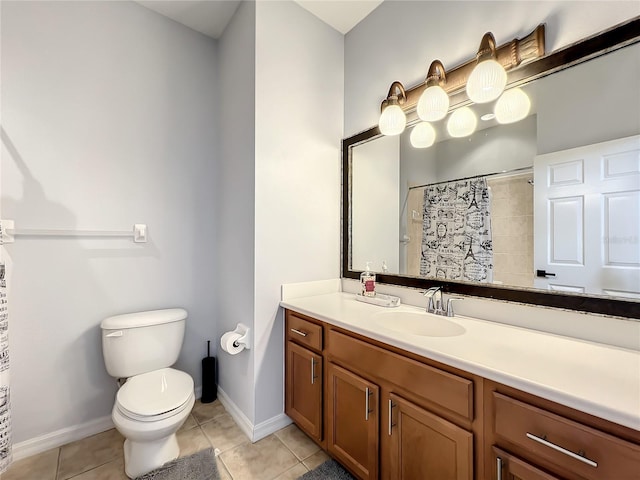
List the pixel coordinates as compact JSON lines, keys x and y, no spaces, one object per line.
{"x":392,"y":120}
{"x":433,"y":104}
{"x":486,"y":82}
{"x":462,"y":122}
{"x":512,"y":106}
{"x":423,"y":135}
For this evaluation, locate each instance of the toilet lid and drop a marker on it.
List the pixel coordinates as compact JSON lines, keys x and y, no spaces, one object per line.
{"x":155,"y":393}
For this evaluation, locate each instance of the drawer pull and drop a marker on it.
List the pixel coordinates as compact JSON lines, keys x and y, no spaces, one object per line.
{"x":367,"y":411}
{"x":302,"y":334}
{"x":391,"y":424}
{"x":558,"y":448}
{"x":498,"y":468}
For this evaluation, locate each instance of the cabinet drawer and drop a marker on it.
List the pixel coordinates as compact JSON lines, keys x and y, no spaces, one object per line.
{"x":304,"y":332}
{"x":449,"y":392}
{"x":545,"y":437}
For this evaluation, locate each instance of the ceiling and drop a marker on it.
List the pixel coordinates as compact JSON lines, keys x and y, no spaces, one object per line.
{"x":210,"y":17}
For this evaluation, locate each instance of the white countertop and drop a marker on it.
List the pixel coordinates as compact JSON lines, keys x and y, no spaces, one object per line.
{"x":595,"y":378}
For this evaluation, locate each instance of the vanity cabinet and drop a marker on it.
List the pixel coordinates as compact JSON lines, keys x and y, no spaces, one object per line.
{"x":394,"y":417}
{"x":353,"y":421}
{"x":424,"y":445}
{"x":386,"y":413}
{"x":531,"y":438}
{"x":303,"y":374}
{"x":508,"y":467}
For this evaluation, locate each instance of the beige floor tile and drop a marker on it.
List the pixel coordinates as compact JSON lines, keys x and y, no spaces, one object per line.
{"x":192,"y":441}
{"x":190,"y":422}
{"x":113,"y":470}
{"x":263,"y":460}
{"x":204,"y":412}
{"x":91,"y":452}
{"x":316,"y":459}
{"x":223,"y":433}
{"x":42,"y":466}
{"x":293,"y":473}
{"x":222,"y":470}
{"x":297,"y":441}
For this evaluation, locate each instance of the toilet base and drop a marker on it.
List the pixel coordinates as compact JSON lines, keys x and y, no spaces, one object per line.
{"x":142,"y":457}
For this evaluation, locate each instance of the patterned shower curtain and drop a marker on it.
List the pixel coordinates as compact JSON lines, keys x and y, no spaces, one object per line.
{"x":5,"y":404}
{"x":456,"y":231}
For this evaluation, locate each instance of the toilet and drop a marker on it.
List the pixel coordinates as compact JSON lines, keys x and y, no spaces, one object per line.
{"x":154,"y":400}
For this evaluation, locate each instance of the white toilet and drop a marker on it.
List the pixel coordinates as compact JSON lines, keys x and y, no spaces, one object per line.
{"x":155,"y":400}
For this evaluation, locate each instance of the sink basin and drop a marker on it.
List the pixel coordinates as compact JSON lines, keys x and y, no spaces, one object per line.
{"x":423,"y":324}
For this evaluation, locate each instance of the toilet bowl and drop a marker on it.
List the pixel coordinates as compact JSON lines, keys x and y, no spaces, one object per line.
{"x":149,"y":410}
{"x":155,"y":400}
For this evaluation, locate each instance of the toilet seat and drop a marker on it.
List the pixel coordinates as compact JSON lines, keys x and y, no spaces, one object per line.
{"x":155,"y":395}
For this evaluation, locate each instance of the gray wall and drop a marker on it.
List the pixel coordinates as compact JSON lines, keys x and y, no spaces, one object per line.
{"x":299,"y":106}
{"x":566,"y":120}
{"x":235,"y":200}
{"x":108,"y":119}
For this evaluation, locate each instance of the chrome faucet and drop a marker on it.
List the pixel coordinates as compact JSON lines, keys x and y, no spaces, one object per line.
{"x":435,"y":302}
{"x":434,"y":305}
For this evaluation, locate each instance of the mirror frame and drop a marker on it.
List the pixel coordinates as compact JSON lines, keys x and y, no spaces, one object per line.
{"x":620,"y":36}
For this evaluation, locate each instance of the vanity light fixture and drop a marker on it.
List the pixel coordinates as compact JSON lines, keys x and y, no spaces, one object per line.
{"x":392,"y":118}
{"x":434,"y":101}
{"x":462,"y":123}
{"x":488,"y":78}
{"x":513,"y":106}
{"x":423,"y":135}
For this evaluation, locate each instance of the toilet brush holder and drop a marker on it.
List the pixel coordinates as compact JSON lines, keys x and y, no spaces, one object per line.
{"x":209,"y":384}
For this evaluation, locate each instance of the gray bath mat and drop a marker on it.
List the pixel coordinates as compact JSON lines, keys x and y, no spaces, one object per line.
{"x":329,"y":470}
{"x":199,"y":466}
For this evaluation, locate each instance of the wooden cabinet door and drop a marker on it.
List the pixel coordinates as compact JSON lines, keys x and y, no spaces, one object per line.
{"x":353,"y":419}
{"x":426,"y":446}
{"x":508,"y":467}
{"x":303,"y":387}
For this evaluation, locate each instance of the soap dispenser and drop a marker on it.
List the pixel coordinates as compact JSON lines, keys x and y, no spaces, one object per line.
{"x":368,"y":282}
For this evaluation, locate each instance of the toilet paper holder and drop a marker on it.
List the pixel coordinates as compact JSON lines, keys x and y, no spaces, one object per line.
{"x":244,"y":339}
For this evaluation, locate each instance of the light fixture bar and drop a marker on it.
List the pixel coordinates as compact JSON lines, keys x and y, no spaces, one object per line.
{"x":510,"y":55}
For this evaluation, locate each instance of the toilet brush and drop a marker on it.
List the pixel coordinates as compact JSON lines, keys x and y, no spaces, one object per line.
{"x":209,"y":387}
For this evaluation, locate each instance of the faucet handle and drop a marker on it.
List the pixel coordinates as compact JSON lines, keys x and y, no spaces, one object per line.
{"x":450,"y":305}
{"x":431,"y":305}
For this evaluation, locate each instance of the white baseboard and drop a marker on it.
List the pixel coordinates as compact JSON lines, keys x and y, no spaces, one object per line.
{"x":254,"y":432}
{"x":61,"y":437}
{"x":66,"y":435}
{"x":266,"y":428}
{"x":238,"y":416}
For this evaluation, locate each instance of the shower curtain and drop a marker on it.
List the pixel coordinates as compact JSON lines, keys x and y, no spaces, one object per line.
{"x":5,"y":404}
{"x":456,"y":231}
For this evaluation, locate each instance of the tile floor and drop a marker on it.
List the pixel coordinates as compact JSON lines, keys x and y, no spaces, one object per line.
{"x":284,"y":455}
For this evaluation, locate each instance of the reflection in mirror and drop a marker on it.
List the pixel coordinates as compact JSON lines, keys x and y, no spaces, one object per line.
{"x":544,"y":213}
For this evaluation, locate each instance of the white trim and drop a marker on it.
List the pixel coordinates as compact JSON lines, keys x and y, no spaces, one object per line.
{"x":61,"y":437}
{"x":240,"y":418}
{"x":266,"y":428}
{"x":254,"y":432}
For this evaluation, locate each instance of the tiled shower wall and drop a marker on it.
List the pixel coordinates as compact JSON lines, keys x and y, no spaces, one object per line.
{"x":512,"y":229}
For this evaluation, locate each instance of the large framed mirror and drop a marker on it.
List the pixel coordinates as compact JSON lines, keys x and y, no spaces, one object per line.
{"x":559,"y":217}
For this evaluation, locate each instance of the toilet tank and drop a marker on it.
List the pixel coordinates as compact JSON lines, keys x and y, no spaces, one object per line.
{"x":141,"y":342}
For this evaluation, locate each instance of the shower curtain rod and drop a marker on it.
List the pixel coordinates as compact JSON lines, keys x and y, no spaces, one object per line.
{"x":503,"y":172}
{"x":138,"y":232}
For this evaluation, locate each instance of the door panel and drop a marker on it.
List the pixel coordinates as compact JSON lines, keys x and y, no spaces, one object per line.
{"x":353,"y":421}
{"x":425,"y":446}
{"x":587,"y":218}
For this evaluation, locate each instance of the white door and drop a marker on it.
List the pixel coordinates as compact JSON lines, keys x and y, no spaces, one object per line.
{"x":587,"y":219}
